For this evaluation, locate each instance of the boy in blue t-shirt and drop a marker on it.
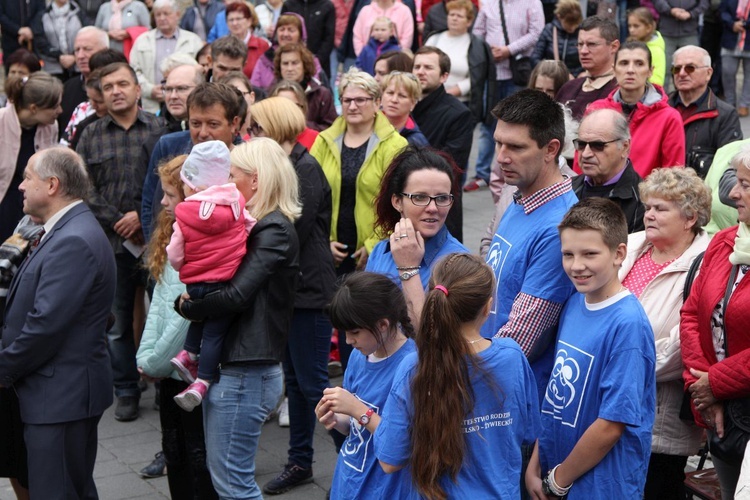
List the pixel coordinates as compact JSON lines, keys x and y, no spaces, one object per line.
{"x":598,"y":409}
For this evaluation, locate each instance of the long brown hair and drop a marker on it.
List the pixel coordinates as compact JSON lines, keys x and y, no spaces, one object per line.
{"x":442,"y":392}
{"x":169,"y":173}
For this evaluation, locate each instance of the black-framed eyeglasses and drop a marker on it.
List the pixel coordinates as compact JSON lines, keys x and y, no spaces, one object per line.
{"x":689,"y":68}
{"x":359,"y":101}
{"x":595,"y":146}
{"x":255,"y":130}
{"x":422,"y":200}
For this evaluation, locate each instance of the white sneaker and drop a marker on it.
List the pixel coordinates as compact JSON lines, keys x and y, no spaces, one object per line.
{"x":284,"y":413}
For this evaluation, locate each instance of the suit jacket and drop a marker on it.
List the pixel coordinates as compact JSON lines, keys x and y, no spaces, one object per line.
{"x":54,"y":343}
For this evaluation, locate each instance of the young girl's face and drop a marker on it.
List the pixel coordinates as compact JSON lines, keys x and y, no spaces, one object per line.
{"x":639,"y":30}
{"x":170,"y":199}
{"x":368,"y":342}
{"x":381,"y":31}
{"x":546,"y":85}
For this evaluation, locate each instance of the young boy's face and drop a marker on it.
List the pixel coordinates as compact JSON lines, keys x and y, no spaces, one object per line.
{"x":590,"y":264}
{"x":381,"y":31}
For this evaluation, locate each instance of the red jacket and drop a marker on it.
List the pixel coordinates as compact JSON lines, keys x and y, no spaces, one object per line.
{"x":256,"y":47}
{"x":729,"y":378}
{"x":657,"y":133}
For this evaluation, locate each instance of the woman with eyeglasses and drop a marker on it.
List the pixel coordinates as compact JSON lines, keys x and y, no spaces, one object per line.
{"x":401,"y":92}
{"x":656,"y":128}
{"x":416,"y":195}
{"x":242,"y":22}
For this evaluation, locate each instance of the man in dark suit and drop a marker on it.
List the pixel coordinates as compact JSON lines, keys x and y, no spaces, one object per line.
{"x":54,"y":342}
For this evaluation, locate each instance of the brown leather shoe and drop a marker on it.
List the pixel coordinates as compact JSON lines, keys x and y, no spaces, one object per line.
{"x":743,"y":111}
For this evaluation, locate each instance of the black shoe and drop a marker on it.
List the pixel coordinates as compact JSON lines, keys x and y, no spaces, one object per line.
{"x":157,"y":468}
{"x":291,"y":477}
{"x":127,"y":408}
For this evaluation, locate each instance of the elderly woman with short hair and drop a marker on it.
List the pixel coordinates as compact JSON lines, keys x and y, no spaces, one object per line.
{"x":401,"y":92}
{"x":678,"y":205}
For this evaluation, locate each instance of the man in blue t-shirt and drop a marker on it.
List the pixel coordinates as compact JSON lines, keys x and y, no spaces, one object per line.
{"x":599,"y":404}
{"x":525,"y":250}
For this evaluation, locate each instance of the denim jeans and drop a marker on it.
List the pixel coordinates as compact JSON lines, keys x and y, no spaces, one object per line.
{"x":306,"y":375}
{"x":486,"y":150}
{"x":207,"y":338}
{"x":121,"y":343}
{"x":234,"y":411}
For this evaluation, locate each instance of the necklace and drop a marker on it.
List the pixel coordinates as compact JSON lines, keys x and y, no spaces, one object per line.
{"x":475,"y":341}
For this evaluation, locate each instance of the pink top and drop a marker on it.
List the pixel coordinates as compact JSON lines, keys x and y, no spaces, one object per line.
{"x":642,"y":273}
{"x":210,"y":235}
{"x":398,"y":13}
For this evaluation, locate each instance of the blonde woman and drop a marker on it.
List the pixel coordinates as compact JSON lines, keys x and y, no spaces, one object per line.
{"x":401,"y":92}
{"x":261,"y":295}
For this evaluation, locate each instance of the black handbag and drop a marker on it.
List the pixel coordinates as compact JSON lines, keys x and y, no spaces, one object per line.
{"x":520,"y":65}
{"x":731,"y":448}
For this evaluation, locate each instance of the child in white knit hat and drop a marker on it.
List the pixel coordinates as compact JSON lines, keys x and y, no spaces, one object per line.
{"x":207,"y":246}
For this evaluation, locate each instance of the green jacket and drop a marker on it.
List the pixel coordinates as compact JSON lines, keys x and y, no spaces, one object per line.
{"x":382,"y":147}
{"x":722,"y":216}
{"x":658,"y":59}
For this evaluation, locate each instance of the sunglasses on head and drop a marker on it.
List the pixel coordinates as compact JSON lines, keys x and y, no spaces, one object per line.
{"x":595,"y":146}
{"x":689,"y":68}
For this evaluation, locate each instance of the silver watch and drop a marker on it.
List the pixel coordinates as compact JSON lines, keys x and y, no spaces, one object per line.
{"x":408,"y":274}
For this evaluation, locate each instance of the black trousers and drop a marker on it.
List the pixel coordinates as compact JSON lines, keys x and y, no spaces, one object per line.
{"x":666,"y":477}
{"x":61,"y":459}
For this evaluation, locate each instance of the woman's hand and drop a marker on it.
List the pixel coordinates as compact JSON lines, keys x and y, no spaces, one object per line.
{"x":325,"y":415}
{"x":67,"y":60}
{"x":147,"y":377}
{"x":713,"y":416}
{"x":118,"y":35}
{"x":338,"y":250}
{"x":407,"y":245}
{"x":738,"y":27}
{"x":361,"y":257}
{"x":533,"y":477}
{"x":700,"y":390}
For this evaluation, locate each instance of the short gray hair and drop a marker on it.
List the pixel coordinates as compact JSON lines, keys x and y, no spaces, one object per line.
{"x":160,"y":4}
{"x":68,"y":167}
{"x":360,"y":79}
{"x":694,"y":48}
{"x":100,"y":33}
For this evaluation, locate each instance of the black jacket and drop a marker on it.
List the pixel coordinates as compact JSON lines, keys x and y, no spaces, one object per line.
{"x":482,"y":76}
{"x":260,"y":295}
{"x":713,"y":125}
{"x":317,"y":273}
{"x":624,"y":192}
{"x":14,"y":15}
{"x":567,"y":47}
{"x":320,"y":23}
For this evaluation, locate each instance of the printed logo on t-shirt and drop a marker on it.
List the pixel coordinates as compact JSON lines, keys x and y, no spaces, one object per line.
{"x":567,"y":384}
{"x":496,"y":257}
{"x":357,"y":444}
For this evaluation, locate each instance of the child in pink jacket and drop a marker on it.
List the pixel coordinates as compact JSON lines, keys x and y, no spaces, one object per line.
{"x":207,"y":246}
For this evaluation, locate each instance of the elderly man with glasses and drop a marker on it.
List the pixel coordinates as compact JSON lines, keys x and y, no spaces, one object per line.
{"x":709,"y":122}
{"x":603,"y":147}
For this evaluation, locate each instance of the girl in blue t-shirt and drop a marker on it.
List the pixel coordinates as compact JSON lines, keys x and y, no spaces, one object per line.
{"x":372,"y":311}
{"x":462,"y":406}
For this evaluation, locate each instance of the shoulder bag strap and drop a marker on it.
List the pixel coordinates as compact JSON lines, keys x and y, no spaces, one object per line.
{"x":502,"y":20}
{"x":555,"y":49}
{"x":691,"y":274}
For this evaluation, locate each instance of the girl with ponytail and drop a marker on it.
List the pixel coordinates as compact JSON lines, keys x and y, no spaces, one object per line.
{"x":371,"y":310}
{"x":459,"y":411}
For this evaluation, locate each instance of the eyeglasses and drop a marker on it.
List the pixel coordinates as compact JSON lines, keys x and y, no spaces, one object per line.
{"x":422,"y":200}
{"x":689,"y":68}
{"x":255,"y":130}
{"x":595,"y":146}
{"x":359,"y":101}
{"x":181,"y":90}
{"x":231,"y":20}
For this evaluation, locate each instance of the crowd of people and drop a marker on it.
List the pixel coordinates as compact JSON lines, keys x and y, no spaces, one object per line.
{"x":230,"y":199}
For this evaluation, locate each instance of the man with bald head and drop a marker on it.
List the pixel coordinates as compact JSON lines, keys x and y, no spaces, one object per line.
{"x":88,"y":41}
{"x":603,"y":146}
{"x":709,"y":122}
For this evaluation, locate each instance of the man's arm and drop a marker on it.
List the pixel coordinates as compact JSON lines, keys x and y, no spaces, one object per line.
{"x":530,"y":317}
{"x":726,"y":183}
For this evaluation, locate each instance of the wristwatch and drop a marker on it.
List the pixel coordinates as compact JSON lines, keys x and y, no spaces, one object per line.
{"x":365,"y":419}
{"x":408,"y":274}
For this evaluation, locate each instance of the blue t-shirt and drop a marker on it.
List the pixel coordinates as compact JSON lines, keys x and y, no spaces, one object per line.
{"x":604,"y":368}
{"x":525,"y":256}
{"x":440,"y":245}
{"x":358,"y":474}
{"x":504,"y":418}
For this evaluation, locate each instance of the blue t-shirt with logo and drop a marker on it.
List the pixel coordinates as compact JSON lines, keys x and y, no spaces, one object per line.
{"x":604,"y":368}
{"x":357,"y":473}
{"x":505,"y":416}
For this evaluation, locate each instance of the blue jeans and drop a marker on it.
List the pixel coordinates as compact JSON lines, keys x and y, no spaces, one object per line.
{"x":486,"y":150}
{"x":306,"y":375}
{"x":207,"y":338}
{"x":121,"y":343}
{"x":234,"y":411}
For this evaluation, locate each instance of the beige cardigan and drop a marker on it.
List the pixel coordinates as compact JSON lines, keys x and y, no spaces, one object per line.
{"x":662,"y":301}
{"x":10,"y":138}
